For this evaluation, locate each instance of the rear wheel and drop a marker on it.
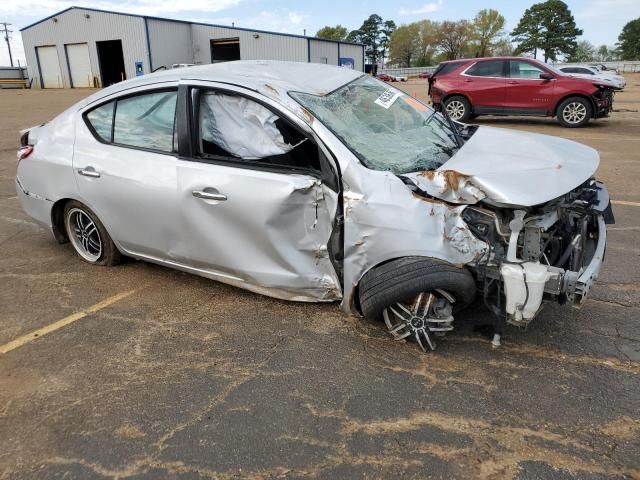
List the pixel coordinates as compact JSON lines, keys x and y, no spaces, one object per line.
{"x":574,"y":112}
{"x":416,"y":297}
{"x":458,"y":108}
{"x":88,"y":236}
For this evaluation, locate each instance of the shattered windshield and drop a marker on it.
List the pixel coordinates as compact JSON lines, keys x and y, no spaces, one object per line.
{"x":386,"y":128}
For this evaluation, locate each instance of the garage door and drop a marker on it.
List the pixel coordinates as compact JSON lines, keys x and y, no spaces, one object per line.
{"x":50,"y":67}
{"x":79,"y":65}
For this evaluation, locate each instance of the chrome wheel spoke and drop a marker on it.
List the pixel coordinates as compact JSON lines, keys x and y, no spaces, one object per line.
{"x":84,"y":234}
{"x":397,"y":314}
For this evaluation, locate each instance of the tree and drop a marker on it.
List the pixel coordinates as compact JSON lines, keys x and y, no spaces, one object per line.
{"x":548,"y":26}
{"x":429,"y":36}
{"x":388,"y":27}
{"x":333,"y":33}
{"x":454,"y":38}
{"x":502,"y":48}
{"x":486,"y":28}
{"x":629,"y":41}
{"x":584,"y":52}
{"x":405,"y":45}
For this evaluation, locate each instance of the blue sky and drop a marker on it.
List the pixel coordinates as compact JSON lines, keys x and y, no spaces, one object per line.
{"x":601,"y":20}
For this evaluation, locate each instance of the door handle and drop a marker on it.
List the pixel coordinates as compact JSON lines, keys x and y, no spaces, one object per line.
{"x":89,"y":172}
{"x":209,"y":195}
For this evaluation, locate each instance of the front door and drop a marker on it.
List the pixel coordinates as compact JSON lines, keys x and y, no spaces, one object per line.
{"x":126,"y":172}
{"x":257,"y":212}
{"x":526,"y":92}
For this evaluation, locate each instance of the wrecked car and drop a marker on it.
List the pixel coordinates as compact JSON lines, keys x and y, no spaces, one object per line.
{"x":312,"y":183}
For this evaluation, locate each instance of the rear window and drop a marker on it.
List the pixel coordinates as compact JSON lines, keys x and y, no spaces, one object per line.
{"x":445,"y":68}
{"x":101,"y":119}
{"x":491,"y":68}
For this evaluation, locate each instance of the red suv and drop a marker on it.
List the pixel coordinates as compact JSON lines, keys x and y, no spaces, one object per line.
{"x":517,"y":86}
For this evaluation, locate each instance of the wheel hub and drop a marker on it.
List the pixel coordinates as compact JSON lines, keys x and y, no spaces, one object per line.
{"x":427,"y":316}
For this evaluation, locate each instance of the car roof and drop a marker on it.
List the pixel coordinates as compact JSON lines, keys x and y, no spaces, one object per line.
{"x":489,"y":58}
{"x":279,"y":77}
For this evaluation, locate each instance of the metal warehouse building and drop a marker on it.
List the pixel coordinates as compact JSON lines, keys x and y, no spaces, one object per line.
{"x":84,"y":47}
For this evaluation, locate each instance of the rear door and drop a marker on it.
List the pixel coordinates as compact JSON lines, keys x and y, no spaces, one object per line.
{"x":484,"y":83}
{"x":526,"y":92}
{"x":125,"y":161}
{"x":258,"y":196}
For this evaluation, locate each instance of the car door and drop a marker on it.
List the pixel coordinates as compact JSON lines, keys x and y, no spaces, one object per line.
{"x":484,"y":83}
{"x":124,"y":162}
{"x":526,"y":92}
{"x":258,"y":196}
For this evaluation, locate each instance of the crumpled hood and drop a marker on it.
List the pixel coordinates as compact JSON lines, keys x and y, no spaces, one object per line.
{"x":510,"y":167}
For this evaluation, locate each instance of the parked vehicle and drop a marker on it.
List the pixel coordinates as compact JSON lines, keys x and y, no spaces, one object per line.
{"x":617,"y":81}
{"x":313,"y":183}
{"x":385,"y":77}
{"x":424,"y":75}
{"x":401,"y":78}
{"x":603,"y":68}
{"x":517,"y":86}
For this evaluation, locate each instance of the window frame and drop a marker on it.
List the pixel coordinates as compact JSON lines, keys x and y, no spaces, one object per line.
{"x":504,"y":69}
{"x":325,"y":173}
{"x":539,"y":67}
{"x":147,"y":91}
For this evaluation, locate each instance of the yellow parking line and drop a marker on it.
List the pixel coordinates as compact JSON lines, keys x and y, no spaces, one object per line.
{"x":20,"y":341}
{"x":624,"y":202}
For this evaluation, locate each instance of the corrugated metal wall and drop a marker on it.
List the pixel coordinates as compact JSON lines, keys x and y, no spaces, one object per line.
{"x":266,"y":47}
{"x":355,"y":52}
{"x":74,"y":27}
{"x":324,"y":52}
{"x":170,"y":43}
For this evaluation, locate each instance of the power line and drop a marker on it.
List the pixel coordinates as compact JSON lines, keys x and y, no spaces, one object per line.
{"x":7,"y":37}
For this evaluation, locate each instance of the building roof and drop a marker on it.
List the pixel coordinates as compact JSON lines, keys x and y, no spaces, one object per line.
{"x":187,"y":22}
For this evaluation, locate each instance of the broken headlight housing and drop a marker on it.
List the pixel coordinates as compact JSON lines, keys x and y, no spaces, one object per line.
{"x":481,"y":222}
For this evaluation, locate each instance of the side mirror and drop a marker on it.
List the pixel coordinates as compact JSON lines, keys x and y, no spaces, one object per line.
{"x":546,"y":76}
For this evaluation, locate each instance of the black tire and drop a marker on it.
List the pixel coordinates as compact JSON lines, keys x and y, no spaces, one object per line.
{"x":109,"y":254}
{"x":578,"y":104}
{"x":403,"y":279}
{"x":462,"y":105}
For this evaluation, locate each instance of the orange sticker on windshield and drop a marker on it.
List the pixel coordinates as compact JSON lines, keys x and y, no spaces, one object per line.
{"x":415,"y":104}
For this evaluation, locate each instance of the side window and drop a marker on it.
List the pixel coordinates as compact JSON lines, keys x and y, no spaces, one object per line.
{"x":569,"y":70}
{"x":490,"y":68}
{"x":585,"y":71}
{"x":101,"y":119}
{"x":146,"y":121}
{"x":524,"y":70}
{"x":236,"y":128}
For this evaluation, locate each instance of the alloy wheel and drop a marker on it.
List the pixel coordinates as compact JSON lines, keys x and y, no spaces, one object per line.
{"x":574,"y":112}
{"x":455,"y":109}
{"x":84,"y":234}
{"x":429,"y":315}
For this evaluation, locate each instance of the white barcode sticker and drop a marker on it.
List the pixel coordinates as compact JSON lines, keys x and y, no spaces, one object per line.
{"x":388,"y":98}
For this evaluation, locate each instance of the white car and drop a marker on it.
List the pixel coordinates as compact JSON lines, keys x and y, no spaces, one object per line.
{"x":314,"y":183}
{"x":610,"y":76}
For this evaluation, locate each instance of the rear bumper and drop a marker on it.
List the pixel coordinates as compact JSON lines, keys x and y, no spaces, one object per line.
{"x":37,"y":207}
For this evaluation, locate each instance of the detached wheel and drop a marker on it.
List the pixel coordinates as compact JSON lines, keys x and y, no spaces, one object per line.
{"x":458,"y":108}
{"x":88,"y":236}
{"x":574,"y":112}
{"x":416,"y":297}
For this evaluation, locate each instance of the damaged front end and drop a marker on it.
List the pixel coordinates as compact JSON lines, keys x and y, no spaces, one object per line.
{"x":552,"y":252}
{"x":602,"y":101}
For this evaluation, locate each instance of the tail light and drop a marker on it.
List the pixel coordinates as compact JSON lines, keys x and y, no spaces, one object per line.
{"x":24,"y":152}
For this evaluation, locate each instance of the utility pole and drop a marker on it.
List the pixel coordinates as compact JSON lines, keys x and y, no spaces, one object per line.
{"x":7,"y":38}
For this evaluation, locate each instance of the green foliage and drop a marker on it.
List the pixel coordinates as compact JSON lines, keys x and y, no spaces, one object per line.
{"x":405,"y":44}
{"x":629,"y":41}
{"x":548,"y":26}
{"x":454,"y":38}
{"x":333,"y":33}
{"x":375,"y":35}
{"x":584,"y":52}
{"x":486,"y":28}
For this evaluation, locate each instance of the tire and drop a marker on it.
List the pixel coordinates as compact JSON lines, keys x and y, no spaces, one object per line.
{"x":574,"y":112}
{"x":405,"y":278}
{"x":88,"y":236}
{"x":458,"y":108}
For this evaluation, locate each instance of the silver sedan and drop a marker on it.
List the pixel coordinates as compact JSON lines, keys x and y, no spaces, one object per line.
{"x":314,"y":183}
